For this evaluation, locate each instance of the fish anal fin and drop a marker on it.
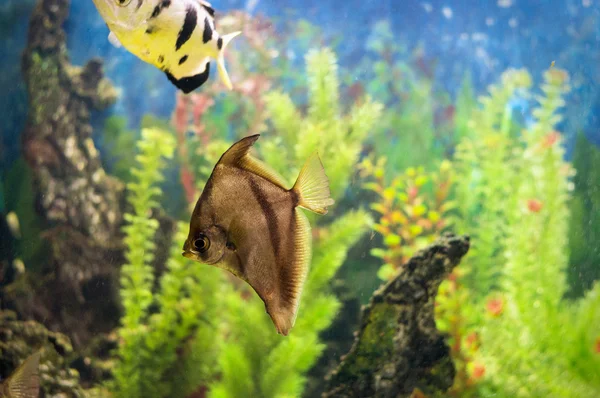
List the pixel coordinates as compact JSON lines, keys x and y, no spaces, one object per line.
{"x":114,"y":40}
{"x":312,"y":186}
{"x":190,"y":83}
{"x":25,"y":381}
{"x":284,"y":308}
{"x":238,"y":156}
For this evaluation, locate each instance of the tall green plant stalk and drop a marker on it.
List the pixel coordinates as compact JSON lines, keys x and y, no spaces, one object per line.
{"x":149,"y":340}
{"x":487,"y":160}
{"x":137,"y":274}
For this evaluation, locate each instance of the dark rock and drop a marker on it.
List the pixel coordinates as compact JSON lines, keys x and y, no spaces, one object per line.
{"x":398,"y":347}
{"x":18,"y":340}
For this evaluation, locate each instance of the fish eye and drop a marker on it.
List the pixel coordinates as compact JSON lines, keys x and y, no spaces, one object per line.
{"x":202,"y":244}
{"x":123,"y":3}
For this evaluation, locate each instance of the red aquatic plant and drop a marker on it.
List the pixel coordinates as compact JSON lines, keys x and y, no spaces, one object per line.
{"x":495,"y":306}
{"x":451,"y":301}
{"x":187,"y":117}
{"x":550,"y":139}
{"x":478,"y":371}
{"x":534,"y":205}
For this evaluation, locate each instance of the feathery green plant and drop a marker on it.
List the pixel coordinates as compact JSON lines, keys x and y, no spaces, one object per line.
{"x":515,"y":193}
{"x":487,"y":161}
{"x":148,"y":341}
{"x":256,"y":361}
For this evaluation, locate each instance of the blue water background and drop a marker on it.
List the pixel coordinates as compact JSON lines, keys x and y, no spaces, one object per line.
{"x":479,"y":36}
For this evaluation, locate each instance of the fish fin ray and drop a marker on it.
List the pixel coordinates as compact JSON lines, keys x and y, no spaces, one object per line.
{"x":25,"y":381}
{"x":114,"y":40}
{"x":238,"y":156}
{"x":293,"y":277}
{"x":190,"y":83}
{"x":221,"y":59}
{"x":312,"y":186}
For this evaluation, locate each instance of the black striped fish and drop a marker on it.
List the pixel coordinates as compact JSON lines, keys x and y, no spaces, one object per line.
{"x":247,"y":223}
{"x":24,"y":382}
{"x":176,"y":36}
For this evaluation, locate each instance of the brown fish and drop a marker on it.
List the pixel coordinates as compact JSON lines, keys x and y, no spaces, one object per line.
{"x":25,"y":380}
{"x":246,"y":222}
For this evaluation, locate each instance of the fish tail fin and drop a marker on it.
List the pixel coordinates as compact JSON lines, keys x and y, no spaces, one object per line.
{"x":312,"y":186}
{"x":221,"y":59}
{"x":25,"y":381}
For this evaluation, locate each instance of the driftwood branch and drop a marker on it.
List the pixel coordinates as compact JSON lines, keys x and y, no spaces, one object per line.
{"x":398,"y":347}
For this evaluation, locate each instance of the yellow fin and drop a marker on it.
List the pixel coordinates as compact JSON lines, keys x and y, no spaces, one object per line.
{"x":221,"y":59}
{"x":312,"y":186}
{"x":25,"y":381}
{"x":294,"y":276}
{"x":238,"y":156}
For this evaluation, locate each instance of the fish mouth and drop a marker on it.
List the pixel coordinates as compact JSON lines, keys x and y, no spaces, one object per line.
{"x":188,"y":254}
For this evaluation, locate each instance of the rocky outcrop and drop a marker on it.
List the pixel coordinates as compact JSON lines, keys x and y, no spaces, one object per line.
{"x":80,"y":204}
{"x":398,"y":347}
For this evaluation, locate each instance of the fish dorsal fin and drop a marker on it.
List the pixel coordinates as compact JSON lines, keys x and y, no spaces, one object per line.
{"x":25,"y":381}
{"x":238,"y":156}
{"x":208,"y":7}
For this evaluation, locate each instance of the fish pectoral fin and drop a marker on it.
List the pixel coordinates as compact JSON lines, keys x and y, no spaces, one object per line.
{"x":190,"y":83}
{"x":284,"y":308}
{"x":114,"y":40}
{"x":312,"y":186}
{"x":25,"y":381}
{"x":238,"y":156}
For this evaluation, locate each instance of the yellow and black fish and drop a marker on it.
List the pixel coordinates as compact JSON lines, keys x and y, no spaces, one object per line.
{"x":177,"y":36}
{"x":246,"y":222}
{"x":25,"y":380}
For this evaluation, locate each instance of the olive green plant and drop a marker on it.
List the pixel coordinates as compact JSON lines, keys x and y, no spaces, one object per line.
{"x":157,"y":323}
{"x":255,"y":361}
{"x":585,"y":218}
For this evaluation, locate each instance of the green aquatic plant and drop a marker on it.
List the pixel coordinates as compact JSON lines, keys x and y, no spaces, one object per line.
{"x":486,"y":160}
{"x":157,"y":323}
{"x":255,"y":361}
{"x":514,"y":194}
